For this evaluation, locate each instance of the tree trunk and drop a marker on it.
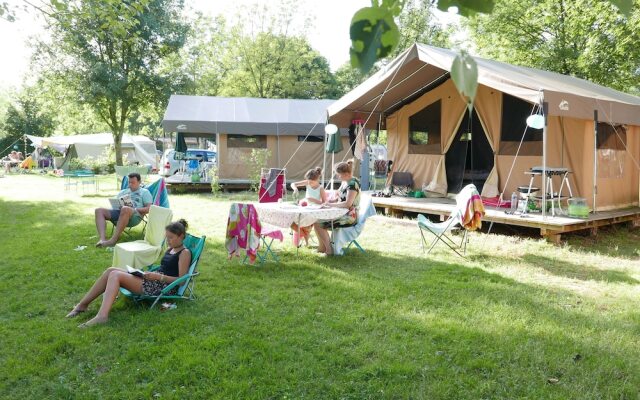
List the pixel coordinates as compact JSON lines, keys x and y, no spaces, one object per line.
{"x":117,"y":144}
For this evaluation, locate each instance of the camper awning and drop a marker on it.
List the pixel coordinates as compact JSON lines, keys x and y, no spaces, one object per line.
{"x":421,"y":65}
{"x":241,"y":115}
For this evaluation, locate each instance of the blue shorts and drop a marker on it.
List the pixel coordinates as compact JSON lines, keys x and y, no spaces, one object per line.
{"x":115,"y":215}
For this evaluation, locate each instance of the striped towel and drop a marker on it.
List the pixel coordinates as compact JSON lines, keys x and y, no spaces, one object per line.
{"x":473,"y":213}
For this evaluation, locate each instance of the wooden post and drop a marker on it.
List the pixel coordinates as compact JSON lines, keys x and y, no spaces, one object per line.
{"x":551,"y":236}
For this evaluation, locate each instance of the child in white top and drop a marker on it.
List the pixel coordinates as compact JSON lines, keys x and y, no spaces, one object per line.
{"x":314,"y":193}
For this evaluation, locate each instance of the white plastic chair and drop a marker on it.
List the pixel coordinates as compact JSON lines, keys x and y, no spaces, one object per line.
{"x":141,"y":253}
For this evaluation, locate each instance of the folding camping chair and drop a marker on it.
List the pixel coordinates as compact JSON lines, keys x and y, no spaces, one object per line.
{"x":467,"y":211}
{"x":186,"y":283}
{"x":273,"y":185}
{"x":140,"y":253}
{"x":348,"y":235}
{"x":267,"y":235}
{"x":244,"y":231}
{"x":160,"y":197}
{"x":401,"y":183}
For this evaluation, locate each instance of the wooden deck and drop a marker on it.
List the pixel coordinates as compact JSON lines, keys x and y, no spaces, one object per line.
{"x":550,"y":227}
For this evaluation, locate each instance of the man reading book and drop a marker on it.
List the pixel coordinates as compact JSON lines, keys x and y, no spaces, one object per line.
{"x":141,"y":200}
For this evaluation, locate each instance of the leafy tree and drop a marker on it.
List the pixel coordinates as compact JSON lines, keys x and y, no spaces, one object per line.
{"x":59,"y":100}
{"x":584,"y":38}
{"x":348,"y":78}
{"x":416,"y":24}
{"x":25,"y":117}
{"x":272,"y":65}
{"x":7,"y":12}
{"x":111,"y":52}
{"x":202,"y":59}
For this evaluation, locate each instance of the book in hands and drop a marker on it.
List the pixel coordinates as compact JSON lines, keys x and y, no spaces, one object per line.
{"x":119,"y":202}
{"x":135,"y":271}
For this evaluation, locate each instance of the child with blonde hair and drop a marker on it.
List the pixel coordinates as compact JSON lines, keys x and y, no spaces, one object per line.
{"x":314,"y":194}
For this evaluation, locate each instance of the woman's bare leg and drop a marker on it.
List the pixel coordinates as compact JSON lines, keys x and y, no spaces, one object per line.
{"x":324,"y":241}
{"x":116,"y":280}
{"x":96,"y":290}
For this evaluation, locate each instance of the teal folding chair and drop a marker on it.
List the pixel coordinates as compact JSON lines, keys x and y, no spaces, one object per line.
{"x":267,"y":236}
{"x":186,"y":283}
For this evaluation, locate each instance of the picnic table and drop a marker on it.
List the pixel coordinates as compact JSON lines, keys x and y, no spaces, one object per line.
{"x":82,"y":177}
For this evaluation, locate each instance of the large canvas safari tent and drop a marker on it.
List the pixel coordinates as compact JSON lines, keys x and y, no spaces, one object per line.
{"x":592,"y":130}
{"x":136,"y":149}
{"x":292,"y":130}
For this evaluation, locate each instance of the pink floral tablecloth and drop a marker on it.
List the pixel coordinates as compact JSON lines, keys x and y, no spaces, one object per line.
{"x":285,"y":214}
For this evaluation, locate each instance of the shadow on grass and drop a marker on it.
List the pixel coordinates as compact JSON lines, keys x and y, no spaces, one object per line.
{"x":559,"y":267}
{"x":617,"y":241}
{"x":577,"y":271}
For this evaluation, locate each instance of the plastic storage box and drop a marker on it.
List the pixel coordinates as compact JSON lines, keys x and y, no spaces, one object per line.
{"x":578,"y":207}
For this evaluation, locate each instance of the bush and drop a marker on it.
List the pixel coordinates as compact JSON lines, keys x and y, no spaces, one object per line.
{"x":255,"y":162}
{"x":76,"y":164}
{"x":215,"y":180}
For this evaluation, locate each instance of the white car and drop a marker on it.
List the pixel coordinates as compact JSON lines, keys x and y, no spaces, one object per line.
{"x":170,"y":165}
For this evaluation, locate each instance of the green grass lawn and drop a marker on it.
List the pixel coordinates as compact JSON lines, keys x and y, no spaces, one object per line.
{"x":520,"y":318}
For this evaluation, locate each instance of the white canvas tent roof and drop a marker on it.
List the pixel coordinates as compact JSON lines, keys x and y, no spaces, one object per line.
{"x":142,"y":148}
{"x":422,"y":63}
{"x":242,"y":115}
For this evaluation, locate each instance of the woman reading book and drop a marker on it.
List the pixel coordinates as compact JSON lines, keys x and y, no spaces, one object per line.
{"x":174,"y":264}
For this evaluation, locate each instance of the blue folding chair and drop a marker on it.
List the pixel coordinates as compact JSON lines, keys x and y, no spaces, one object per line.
{"x":348,"y":235}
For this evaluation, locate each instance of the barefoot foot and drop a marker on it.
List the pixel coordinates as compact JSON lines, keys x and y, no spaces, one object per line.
{"x":94,"y":321}
{"x":77,"y":310}
{"x":108,"y":243}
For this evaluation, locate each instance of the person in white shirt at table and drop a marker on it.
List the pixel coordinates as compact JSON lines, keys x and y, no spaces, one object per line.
{"x":314,"y":194}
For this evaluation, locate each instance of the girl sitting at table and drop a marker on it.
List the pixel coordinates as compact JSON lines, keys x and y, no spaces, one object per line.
{"x":349,"y":198}
{"x":314,"y":194}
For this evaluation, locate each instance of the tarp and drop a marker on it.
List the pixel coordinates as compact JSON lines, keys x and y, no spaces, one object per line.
{"x":421,"y":65}
{"x":247,"y":116}
{"x":137,"y":148}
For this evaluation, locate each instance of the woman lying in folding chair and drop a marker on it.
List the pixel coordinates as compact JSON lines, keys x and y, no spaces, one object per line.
{"x":174,"y":264}
{"x":349,"y":198}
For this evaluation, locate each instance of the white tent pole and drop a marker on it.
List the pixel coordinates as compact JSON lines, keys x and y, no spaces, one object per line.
{"x":545,"y":111}
{"x":324,"y":151}
{"x":595,"y":158}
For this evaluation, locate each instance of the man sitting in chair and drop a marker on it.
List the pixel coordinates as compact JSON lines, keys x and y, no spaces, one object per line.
{"x":141,"y":199}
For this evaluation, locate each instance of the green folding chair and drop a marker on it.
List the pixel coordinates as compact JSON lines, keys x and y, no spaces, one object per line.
{"x":186,"y":282}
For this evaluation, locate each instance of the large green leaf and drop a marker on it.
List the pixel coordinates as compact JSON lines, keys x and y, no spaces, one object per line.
{"x":467,"y":7}
{"x":464,"y":73}
{"x":625,"y":6}
{"x":374,"y":34}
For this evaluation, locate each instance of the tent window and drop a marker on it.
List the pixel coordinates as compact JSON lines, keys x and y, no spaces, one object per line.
{"x":247,"y":141}
{"x":611,"y":137}
{"x":424,"y":130}
{"x":611,"y":150}
{"x":311,"y":139}
{"x":514,"y":123}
